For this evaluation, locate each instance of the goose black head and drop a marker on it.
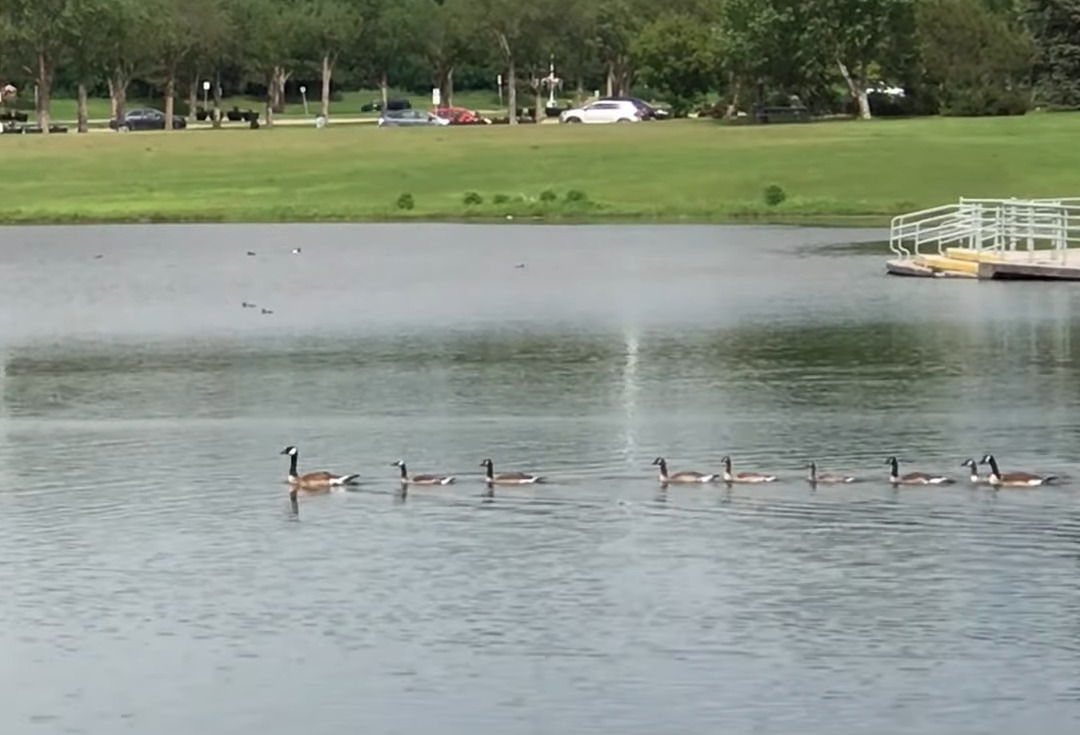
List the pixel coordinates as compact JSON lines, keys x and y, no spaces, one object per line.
{"x":289,"y":450}
{"x":658,"y":461}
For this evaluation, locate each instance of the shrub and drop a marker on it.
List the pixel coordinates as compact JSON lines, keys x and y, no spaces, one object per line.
{"x":472,"y":199}
{"x":774,"y":195}
{"x":405,"y":201}
{"x":500,"y":199}
{"x":547,"y":195}
{"x":577,"y":196}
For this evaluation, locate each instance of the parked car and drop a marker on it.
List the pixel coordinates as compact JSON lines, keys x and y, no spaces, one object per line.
{"x":395,"y":118}
{"x":648,"y":111}
{"x":145,"y":119}
{"x":603,"y":111}
{"x":461,"y":116}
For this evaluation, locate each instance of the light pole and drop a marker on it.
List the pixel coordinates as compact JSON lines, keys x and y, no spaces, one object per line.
{"x":303,"y":94}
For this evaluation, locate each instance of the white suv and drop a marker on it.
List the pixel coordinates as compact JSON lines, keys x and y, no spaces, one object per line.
{"x":603,"y":111}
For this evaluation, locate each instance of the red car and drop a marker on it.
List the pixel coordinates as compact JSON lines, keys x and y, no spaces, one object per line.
{"x":460,"y":116}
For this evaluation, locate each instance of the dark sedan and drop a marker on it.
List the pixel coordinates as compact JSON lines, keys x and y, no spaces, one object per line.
{"x":145,"y":119}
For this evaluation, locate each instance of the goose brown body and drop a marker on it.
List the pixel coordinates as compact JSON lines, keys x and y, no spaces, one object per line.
{"x":508,"y":478}
{"x":825,"y":478}
{"x":421,"y":479}
{"x":743,"y":477}
{"x":313,"y":482}
{"x":914,"y":478}
{"x":1013,"y":479}
{"x":686,"y":477}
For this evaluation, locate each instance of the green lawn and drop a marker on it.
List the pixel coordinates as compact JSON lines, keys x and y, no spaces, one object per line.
{"x":691,"y":170}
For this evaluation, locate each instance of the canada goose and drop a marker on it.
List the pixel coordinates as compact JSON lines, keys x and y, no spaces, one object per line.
{"x":421,"y":479}
{"x":814,"y":478}
{"x":974,"y":468}
{"x":682,"y":477}
{"x":508,"y":478}
{"x":267,"y":311}
{"x":296,"y":251}
{"x":914,"y":478}
{"x":313,"y":481}
{"x":1013,"y":479}
{"x":746,"y":477}
{"x":250,"y":252}
{"x":248,"y":305}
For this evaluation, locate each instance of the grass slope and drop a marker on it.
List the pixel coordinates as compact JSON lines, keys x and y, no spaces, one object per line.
{"x":669,"y":171}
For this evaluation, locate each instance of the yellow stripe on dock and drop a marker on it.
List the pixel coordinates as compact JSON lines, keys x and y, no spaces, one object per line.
{"x":974,"y":256}
{"x":948,"y":264}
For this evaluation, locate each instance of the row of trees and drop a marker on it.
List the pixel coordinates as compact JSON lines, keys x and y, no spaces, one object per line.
{"x":958,"y":56}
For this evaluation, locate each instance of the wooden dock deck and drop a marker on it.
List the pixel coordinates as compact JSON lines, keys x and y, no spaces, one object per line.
{"x":1037,"y":265}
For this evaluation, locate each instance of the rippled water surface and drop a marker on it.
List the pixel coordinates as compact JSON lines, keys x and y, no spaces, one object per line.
{"x":155,"y":580}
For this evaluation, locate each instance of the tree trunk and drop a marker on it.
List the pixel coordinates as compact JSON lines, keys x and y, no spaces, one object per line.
{"x":449,"y":87}
{"x":610,"y":88}
{"x":857,"y":88}
{"x":277,"y":88}
{"x":511,"y":89}
{"x":193,"y":97}
{"x":384,"y":89}
{"x":442,"y":81}
{"x":270,"y":98}
{"x":44,"y":82}
{"x":538,"y":113}
{"x":83,"y":124}
{"x":118,"y":84}
{"x":216,"y":117}
{"x":327,"y":70}
{"x":170,"y":99}
{"x":733,"y":103}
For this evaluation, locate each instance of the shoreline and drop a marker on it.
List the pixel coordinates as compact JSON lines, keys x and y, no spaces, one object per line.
{"x":871,"y":221}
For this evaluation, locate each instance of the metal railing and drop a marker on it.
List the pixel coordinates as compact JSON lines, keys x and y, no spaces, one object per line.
{"x":1001,"y":225}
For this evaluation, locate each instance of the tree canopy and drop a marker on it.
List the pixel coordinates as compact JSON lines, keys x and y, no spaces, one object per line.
{"x":951,"y":56}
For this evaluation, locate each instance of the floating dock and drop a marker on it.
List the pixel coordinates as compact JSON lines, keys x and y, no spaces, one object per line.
{"x":989,"y":239}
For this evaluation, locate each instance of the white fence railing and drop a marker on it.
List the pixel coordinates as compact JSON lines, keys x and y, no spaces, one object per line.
{"x":989,"y":224}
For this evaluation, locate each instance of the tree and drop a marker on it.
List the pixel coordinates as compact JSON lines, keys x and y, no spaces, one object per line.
{"x":178,"y":31}
{"x":266,"y":35}
{"x":615,"y":24}
{"x":389,"y":38}
{"x":676,"y":54}
{"x":43,"y":29}
{"x":331,"y":27}
{"x":857,"y":34}
{"x":509,"y":23}
{"x":123,"y":46}
{"x":1055,"y":25}
{"x":978,"y":62}
{"x":441,"y":35}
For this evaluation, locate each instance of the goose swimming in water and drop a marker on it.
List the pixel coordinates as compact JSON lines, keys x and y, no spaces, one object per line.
{"x":508,"y":478}
{"x":421,"y":479}
{"x":314,"y":481}
{"x":1013,"y":479}
{"x":973,"y":468}
{"x":914,"y":478}
{"x":814,"y":478}
{"x":744,"y":477}
{"x":682,"y":477}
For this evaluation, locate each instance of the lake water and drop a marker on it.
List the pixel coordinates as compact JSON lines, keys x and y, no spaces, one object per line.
{"x":155,"y":581}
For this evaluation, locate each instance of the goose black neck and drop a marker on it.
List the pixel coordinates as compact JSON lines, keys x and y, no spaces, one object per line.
{"x":404,"y":475}
{"x":292,"y":465}
{"x":663,"y":468}
{"x":490,"y":469}
{"x":993,"y":466}
{"x":895,"y":466}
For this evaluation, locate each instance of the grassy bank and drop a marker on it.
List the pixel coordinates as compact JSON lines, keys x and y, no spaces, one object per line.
{"x":669,"y":171}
